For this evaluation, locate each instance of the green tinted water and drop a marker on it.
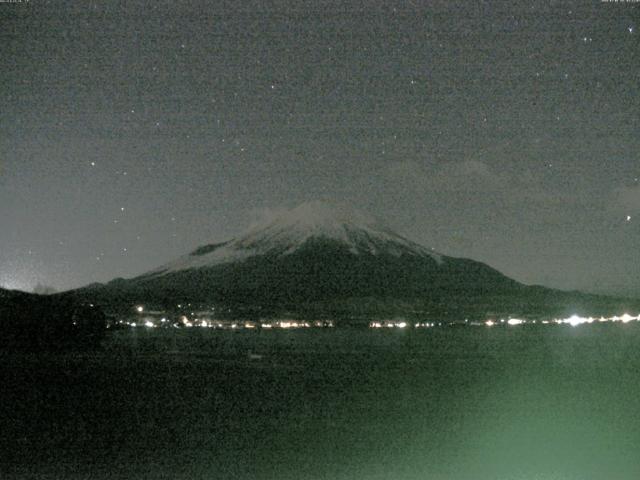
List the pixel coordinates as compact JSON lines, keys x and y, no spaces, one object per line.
{"x":551,"y":402}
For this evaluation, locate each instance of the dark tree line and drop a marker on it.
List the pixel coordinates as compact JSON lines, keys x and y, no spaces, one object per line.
{"x":48,"y":323}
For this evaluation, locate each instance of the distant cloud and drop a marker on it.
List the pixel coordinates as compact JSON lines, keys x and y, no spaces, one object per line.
{"x":469,"y":176}
{"x":475,"y":178}
{"x":263,"y":216}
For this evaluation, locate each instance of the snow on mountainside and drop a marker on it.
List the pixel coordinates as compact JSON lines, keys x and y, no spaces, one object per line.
{"x":358,"y":232}
{"x":327,"y":261}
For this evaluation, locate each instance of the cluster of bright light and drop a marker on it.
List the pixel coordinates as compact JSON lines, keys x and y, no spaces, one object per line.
{"x":288,"y":324}
{"x":626,"y":318}
{"x":184,"y":321}
{"x":573,"y":320}
{"x":291,"y":324}
{"x":576,"y":320}
{"x":202,"y":319}
{"x":324,"y":323}
{"x":388,"y":324}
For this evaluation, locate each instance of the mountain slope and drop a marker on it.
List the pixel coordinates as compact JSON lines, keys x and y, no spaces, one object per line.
{"x":315,"y":252}
{"x":328,"y":259}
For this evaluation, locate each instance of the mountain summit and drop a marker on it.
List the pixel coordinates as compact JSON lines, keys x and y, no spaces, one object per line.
{"x":329,"y":260}
{"x":290,"y":232}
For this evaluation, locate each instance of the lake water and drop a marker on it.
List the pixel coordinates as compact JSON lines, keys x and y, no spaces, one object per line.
{"x":527,"y":402}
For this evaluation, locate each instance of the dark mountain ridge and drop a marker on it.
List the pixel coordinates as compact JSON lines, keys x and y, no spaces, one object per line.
{"x":323,"y":260}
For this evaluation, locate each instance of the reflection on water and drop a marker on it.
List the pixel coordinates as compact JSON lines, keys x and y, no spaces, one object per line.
{"x":476,"y":403}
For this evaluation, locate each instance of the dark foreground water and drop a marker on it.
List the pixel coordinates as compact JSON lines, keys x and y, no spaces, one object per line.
{"x":551,"y":402}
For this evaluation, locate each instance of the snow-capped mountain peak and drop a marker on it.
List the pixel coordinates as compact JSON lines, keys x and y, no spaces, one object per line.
{"x":339,"y":224}
{"x":320,"y":215}
{"x":312,"y":219}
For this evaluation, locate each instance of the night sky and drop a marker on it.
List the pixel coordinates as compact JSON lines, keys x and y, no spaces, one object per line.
{"x":132,"y":132}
